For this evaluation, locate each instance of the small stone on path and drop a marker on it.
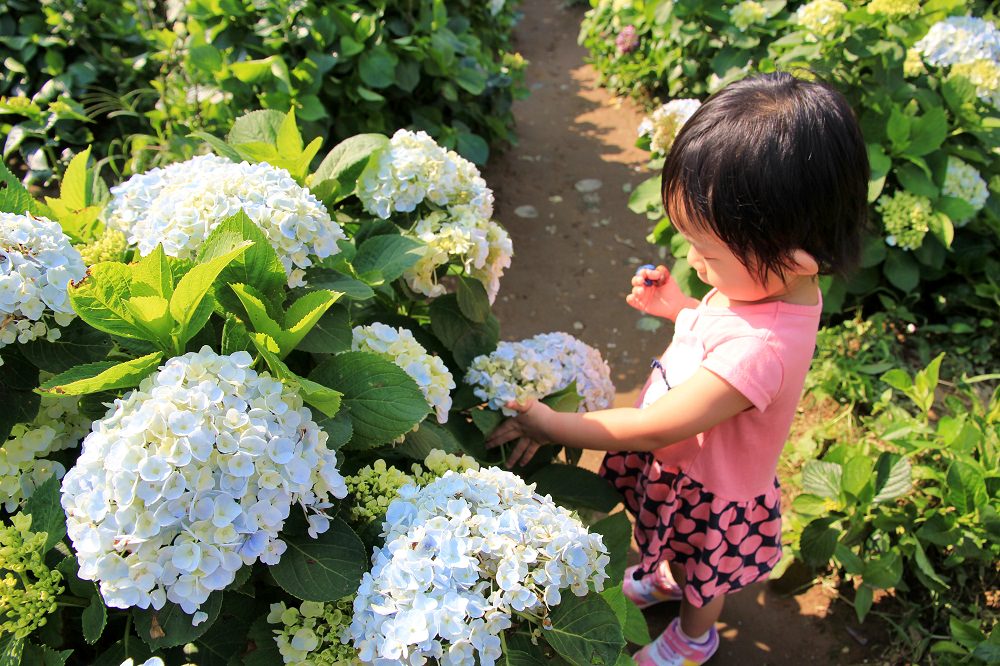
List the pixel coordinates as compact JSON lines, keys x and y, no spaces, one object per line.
{"x":555,"y":198}
{"x":588,"y":185}
{"x":526,"y":211}
{"x":578,"y":325}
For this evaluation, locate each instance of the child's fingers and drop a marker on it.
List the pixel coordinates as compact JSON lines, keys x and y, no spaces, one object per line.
{"x":503,"y":433}
{"x":523,"y":452}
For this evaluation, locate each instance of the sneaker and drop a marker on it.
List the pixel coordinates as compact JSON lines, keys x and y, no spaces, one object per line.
{"x":672,"y":648}
{"x":655,"y":588}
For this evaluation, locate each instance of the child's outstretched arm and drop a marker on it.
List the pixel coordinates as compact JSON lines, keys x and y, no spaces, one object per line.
{"x":662,"y":297}
{"x":701,"y":402}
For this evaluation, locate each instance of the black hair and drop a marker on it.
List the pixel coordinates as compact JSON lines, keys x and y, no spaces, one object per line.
{"x":771,"y":164}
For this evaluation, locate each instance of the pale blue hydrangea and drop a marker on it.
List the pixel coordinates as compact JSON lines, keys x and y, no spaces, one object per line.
{"x":964,"y":182}
{"x":960,"y":39}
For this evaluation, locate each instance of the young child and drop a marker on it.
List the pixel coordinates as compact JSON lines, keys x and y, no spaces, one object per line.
{"x":768,"y":183}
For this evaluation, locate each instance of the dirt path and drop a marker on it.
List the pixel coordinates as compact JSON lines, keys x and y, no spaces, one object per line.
{"x":575,"y":252}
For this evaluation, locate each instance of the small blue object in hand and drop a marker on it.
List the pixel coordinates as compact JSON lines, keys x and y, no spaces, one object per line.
{"x":646,"y":267}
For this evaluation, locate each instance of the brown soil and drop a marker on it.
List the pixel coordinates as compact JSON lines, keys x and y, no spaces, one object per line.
{"x":571,"y":271}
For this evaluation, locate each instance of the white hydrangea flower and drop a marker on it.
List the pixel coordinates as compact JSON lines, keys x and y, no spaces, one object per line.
{"x":985,"y":75}
{"x":152,"y":661}
{"x":399,"y":346}
{"x":481,"y":246}
{"x":178,"y":205}
{"x":540,"y":366}
{"x":461,"y":556}
{"x":414,"y":169}
{"x":748,"y":13}
{"x":191,"y":476}
{"x":960,"y":39}
{"x":23,"y":457}
{"x":37,"y":263}
{"x":663,"y":126}
{"x":964,"y":182}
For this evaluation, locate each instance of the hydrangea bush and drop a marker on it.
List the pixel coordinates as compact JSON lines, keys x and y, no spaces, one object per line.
{"x":924,"y":80}
{"x":250,"y":366}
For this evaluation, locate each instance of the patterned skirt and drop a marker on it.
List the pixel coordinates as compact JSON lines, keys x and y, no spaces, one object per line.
{"x":723,"y":545}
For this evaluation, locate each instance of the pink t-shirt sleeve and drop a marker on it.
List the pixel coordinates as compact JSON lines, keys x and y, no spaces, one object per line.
{"x":750,"y":366}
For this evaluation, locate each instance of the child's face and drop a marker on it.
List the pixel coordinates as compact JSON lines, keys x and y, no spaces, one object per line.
{"x":717,"y":266}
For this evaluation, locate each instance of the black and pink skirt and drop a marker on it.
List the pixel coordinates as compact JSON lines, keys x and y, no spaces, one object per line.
{"x":723,"y":545}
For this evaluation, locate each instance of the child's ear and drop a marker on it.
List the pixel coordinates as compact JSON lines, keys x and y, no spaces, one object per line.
{"x":804,"y":263}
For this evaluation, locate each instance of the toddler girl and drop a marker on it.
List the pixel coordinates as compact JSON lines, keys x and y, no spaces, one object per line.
{"x":768,"y":183}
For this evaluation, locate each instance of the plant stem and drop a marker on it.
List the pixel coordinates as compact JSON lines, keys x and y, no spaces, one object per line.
{"x":72,"y":601}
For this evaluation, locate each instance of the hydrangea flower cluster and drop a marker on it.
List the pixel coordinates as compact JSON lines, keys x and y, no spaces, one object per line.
{"x":111,"y":246}
{"x":152,"y":661}
{"x":821,"y":17}
{"x":461,"y":556}
{"x":178,"y":205}
{"x":37,"y":263}
{"x":539,"y":366}
{"x":456,"y":207}
{"x":748,"y":13}
{"x":627,"y":40}
{"x":481,"y":246}
{"x":985,"y":75}
{"x":663,"y":126}
{"x":913,"y":65}
{"x":28,"y":588}
{"x":314,"y":634}
{"x":23,"y":464}
{"x":894,"y":7}
{"x":399,"y":346}
{"x":960,"y":39}
{"x":412,"y":169}
{"x":375,"y":486}
{"x":191,"y":476}
{"x":906,"y":217}
{"x":963,"y":181}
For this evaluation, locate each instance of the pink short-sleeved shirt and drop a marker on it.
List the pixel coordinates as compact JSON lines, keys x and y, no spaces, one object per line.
{"x":763,"y":351}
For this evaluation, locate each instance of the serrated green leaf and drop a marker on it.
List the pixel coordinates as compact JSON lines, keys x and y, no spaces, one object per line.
{"x":585,"y":630}
{"x":884,"y":571}
{"x":235,"y":336}
{"x":331,"y":334}
{"x":576,"y":487}
{"x":472,"y":299}
{"x":170,"y":626}
{"x":253,"y":302}
{"x":11,"y":649}
{"x":151,"y":275}
{"x":219,"y":147}
{"x":337,"y":175}
{"x":325,"y":278}
{"x":255,"y":126}
{"x":95,"y":618}
{"x":863,"y":601}
{"x":99,"y":299}
{"x":288,"y":141}
{"x":323,"y":569}
{"x":18,"y":380}
{"x":46,"y":512}
{"x":465,"y":338}
{"x":818,"y":542}
{"x":14,"y":198}
{"x":75,"y":188}
{"x":102,"y":376}
{"x":893,"y":477}
{"x":429,"y":436}
{"x":306,"y":312}
{"x":382,"y":400}
{"x":822,"y":479}
{"x":192,"y":289}
{"x":78,"y":343}
{"x":387,"y":256}
{"x":616,"y":532}
{"x":151,"y":313}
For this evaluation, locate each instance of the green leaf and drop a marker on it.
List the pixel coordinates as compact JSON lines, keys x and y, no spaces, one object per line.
{"x":377,"y":67}
{"x":256,"y":126}
{"x":382,"y":400}
{"x":337,"y":174}
{"x":966,"y":488}
{"x":386,"y":257}
{"x":323,"y":569}
{"x":629,"y":616}
{"x":265,"y":650}
{"x":818,"y":542}
{"x":465,"y":338}
{"x":576,"y":487}
{"x":289,"y":139}
{"x":191,"y":291}
{"x":965,"y":634}
{"x":262,"y":322}
{"x":171,"y":627}
{"x":898,"y":129}
{"x":76,"y":186}
{"x":616,"y":532}
{"x":520,"y":651}
{"x":901,"y":270}
{"x":335,"y":281}
{"x":486,"y":420}
{"x":472,"y":299}
{"x":885,"y":571}
{"x":119,"y":652}
{"x":822,"y":479}
{"x":857,"y":472}
{"x":585,"y":630}
{"x":912,"y":178}
{"x":10,"y":650}
{"x":893,"y":477}
{"x":151,"y":275}
{"x":429,"y":436}
{"x":338,"y":429}
{"x":566,"y":399}
{"x":102,"y":376}
{"x":863,"y":601}
{"x":927,"y":132}
{"x":331,"y":334}
{"x":305,"y":313}
{"x":848,"y":559}
{"x":99,"y":299}
{"x":43,"y":655}
{"x":18,"y":380}
{"x":925,"y":566}
{"x":646,"y":197}
{"x":472,"y":147}
{"x":95,"y":618}
{"x":235,"y":336}
{"x":219,"y":147}
{"x":78,"y":343}
{"x":321,"y":397}
{"x":14,"y":198}
{"x":46,"y":512}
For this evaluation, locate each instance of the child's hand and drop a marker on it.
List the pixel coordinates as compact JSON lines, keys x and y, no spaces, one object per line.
{"x":662,"y":298}
{"x":527,"y":428}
